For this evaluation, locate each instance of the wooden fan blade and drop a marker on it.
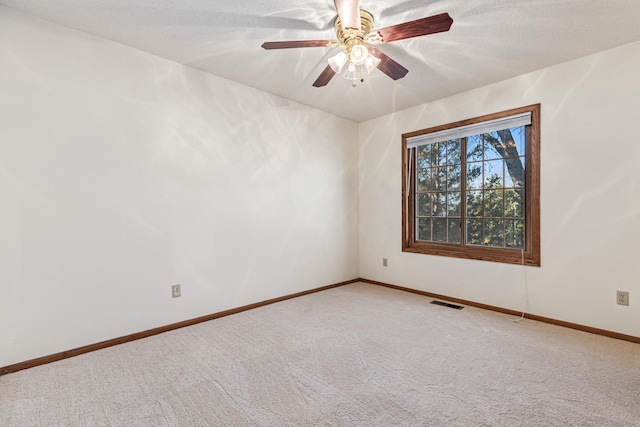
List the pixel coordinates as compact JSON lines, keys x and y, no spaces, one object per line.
{"x":298,"y":43}
{"x":388,"y":66}
{"x":349,"y":13}
{"x":419,"y":27}
{"x":324,"y":77}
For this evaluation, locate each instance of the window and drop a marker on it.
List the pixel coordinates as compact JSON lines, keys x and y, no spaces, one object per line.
{"x":471,"y":189}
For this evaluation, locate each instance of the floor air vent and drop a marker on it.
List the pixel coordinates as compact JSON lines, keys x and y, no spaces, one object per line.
{"x":446,"y":304}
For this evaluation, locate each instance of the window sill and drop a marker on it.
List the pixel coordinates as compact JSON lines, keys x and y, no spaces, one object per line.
{"x":508,"y":256}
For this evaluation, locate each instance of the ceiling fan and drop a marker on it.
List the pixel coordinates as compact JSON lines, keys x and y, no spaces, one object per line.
{"x":358,"y":56}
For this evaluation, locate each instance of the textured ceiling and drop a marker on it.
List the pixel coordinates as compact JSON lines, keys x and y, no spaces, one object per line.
{"x":489,"y":41}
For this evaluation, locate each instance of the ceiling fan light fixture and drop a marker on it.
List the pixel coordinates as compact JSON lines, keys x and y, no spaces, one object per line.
{"x":354,"y":67}
{"x":338,"y":61}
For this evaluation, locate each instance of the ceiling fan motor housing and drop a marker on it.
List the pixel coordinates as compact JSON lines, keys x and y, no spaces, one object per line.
{"x":351,"y":37}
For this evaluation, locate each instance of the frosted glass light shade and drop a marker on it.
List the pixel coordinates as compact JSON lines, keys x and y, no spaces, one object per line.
{"x":336,"y":62}
{"x":359,"y":54}
{"x":353,"y":72}
{"x":371,"y":63}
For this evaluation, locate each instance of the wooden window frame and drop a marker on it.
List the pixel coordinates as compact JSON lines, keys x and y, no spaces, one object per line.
{"x":530,"y":254}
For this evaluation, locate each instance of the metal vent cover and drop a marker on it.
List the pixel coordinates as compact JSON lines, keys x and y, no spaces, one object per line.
{"x":447,"y":304}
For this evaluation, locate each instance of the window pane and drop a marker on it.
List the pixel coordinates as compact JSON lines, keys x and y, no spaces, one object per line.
{"x":474,"y":203}
{"x":493,"y":176}
{"x":514,"y":203}
{"x":423,"y":156}
{"x":493,"y":234}
{"x":514,"y":172}
{"x":437,"y":151}
{"x":424,"y":176}
{"x":474,"y":175}
{"x":442,"y":153}
{"x":514,"y":234}
{"x":425,"y":205}
{"x":453,"y":177}
{"x":493,"y":203}
{"x":439,"y":230}
{"x":453,"y":204}
{"x":440,"y":204}
{"x":491,"y":140}
{"x":424,"y":229}
{"x":453,"y":152}
{"x":454,"y":231}
{"x":474,"y":147}
{"x":507,"y":140}
{"x":474,"y":232}
{"x":440,"y":178}
{"x":518,"y":138}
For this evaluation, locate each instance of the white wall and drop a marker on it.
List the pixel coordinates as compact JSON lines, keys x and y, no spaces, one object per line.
{"x":590,"y":195}
{"x":122,"y":174}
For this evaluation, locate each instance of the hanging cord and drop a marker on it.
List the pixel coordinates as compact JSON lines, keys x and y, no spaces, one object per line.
{"x":525,"y":304}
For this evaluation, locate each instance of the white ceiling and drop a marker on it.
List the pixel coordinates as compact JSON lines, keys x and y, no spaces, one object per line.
{"x":489,"y":41}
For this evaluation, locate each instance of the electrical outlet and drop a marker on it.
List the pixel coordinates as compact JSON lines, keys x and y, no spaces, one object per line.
{"x":384,"y":262}
{"x":622,"y":297}
{"x":176,"y":291}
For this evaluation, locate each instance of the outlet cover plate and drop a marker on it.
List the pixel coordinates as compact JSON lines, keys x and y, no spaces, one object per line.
{"x":622,"y":297}
{"x":176,"y":291}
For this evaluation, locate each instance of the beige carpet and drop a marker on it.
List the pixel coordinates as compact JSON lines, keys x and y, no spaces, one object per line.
{"x":358,"y":355}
